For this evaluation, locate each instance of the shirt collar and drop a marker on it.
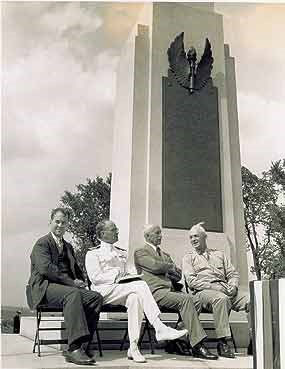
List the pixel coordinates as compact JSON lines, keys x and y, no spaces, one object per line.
{"x":107,"y":246}
{"x":151,"y":245}
{"x":57,"y":239}
{"x":205,"y":253}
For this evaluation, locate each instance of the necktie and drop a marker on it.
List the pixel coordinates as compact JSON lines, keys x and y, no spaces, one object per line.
{"x":60,"y":245}
{"x":158,"y":250}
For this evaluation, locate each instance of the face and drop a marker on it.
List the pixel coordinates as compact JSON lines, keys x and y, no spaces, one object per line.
{"x":154,"y":236}
{"x":110,"y":233}
{"x":197,"y":239}
{"x":59,"y":224}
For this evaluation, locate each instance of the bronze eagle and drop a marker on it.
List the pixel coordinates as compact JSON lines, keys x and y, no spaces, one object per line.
{"x":188,"y":74}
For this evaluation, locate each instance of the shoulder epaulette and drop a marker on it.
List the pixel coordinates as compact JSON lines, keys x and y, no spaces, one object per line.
{"x":94,"y":248}
{"x":119,"y":248}
{"x":211,"y":250}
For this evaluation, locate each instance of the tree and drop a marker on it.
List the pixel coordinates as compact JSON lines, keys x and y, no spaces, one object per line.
{"x":89,"y":204}
{"x":265,"y":219}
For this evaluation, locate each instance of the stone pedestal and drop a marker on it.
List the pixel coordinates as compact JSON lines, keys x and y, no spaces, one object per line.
{"x":136,"y":197}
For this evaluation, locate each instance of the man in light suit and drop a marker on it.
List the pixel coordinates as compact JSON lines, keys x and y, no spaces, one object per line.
{"x":158,"y":271}
{"x":106,"y":265}
{"x":57,"y":280}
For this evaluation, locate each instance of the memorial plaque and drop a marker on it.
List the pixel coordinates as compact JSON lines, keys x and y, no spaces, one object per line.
{"x":191,"y":174}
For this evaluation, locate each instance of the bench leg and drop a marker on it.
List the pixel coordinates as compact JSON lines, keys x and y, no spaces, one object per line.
{"x":149,"y":337}
{"x":124,"y":340}
{"x":37,"y":340}
{"x":99,"y":342}
{"x":233,"y":339}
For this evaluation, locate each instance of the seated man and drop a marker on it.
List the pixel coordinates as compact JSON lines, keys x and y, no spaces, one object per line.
{"x":214,"y":280}
{"x":158,"y":270}
{"x":105,"y":265}
{"x":57,"y":280}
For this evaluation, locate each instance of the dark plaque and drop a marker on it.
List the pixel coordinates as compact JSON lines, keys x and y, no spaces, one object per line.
{"x":191,"y":174}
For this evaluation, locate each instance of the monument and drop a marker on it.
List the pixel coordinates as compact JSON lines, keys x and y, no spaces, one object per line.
{"x":176,"y":155}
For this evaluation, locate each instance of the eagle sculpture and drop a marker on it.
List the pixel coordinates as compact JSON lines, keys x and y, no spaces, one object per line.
{"x":188,"y":74}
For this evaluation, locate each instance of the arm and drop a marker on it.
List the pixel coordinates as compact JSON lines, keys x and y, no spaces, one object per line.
{"x":151,"y":263}
{"x":43,"y":263}
{"x":231,"y":274}
{"x":191,"y":277}
{"x":96,"y":273}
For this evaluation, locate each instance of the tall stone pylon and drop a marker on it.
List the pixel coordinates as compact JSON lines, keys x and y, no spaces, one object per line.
{"x":137,"y":182}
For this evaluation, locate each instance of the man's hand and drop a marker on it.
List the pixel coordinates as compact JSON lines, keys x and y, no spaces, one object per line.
{"x":174,"y":274}
{"x":120,"y":275}
{"x":131,"y":269}
{"x":79,"y":283}
{"x":232,"y":291}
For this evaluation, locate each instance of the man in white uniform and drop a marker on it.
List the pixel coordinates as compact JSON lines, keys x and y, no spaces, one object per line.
{"x":104,"y":265}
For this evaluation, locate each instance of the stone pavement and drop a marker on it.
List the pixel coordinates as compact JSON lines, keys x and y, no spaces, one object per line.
{"x":16,"y":352}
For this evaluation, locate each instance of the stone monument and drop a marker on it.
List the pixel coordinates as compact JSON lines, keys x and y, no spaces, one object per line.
{"x":157,"y":177}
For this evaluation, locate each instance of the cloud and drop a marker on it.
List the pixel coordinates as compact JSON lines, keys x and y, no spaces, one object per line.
{"x":49,"y":97}
{"x":254,"y":32}
{"x":261,"y":131}
{"x":57,"y":113}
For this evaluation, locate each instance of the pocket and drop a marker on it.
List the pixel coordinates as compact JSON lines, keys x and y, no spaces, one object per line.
{"x":200,"y":268}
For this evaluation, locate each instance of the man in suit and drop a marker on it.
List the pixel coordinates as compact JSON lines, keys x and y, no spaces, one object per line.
{"x":159,"y":271}
{"x":214,"y":280}
{"x":57,"y":280}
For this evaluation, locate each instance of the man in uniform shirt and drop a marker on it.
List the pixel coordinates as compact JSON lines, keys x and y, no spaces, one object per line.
{"x":105,"y":265}
{"x":214,"y":280}
{"x":162,"y":276}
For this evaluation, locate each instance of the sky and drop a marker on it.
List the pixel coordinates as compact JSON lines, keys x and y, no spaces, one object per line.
{"x":59,"y":78}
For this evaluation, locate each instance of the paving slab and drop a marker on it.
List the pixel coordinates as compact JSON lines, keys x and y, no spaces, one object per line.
{"x":17,"y":353}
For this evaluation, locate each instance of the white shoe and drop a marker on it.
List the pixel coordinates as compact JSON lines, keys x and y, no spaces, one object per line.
{"x":135,"y":355}
{"x":168,"y":334}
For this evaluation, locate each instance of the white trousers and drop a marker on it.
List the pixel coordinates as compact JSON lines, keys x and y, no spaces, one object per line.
{"x":138,"y":299}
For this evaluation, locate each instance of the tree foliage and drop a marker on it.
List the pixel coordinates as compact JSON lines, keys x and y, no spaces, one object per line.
{"x":264,"y":211}
{"x":89,"y":204}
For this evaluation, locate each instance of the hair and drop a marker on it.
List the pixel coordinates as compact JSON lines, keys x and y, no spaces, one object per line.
{"x":64,"y":211}
{"x":199,"y":228}
{"x":148,"y":228}
{"x":101,"y":226}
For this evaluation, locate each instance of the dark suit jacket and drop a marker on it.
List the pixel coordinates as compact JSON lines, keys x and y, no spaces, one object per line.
{"x":154,"y":269}
{"x":44,"y":268}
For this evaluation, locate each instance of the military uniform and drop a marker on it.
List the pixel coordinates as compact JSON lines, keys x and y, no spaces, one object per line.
{"x":209,"y":275}
{"x":103,"y":265}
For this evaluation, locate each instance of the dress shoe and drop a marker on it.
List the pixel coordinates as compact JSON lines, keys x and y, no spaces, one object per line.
{"x":224,"y":350}
{"x":202,"y":352}
{"x":134,"y":354}
{"x":178,"y":347}
{"x":91,"y":353}
{"x":78,"y":357}
{"x":169,"y":334}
